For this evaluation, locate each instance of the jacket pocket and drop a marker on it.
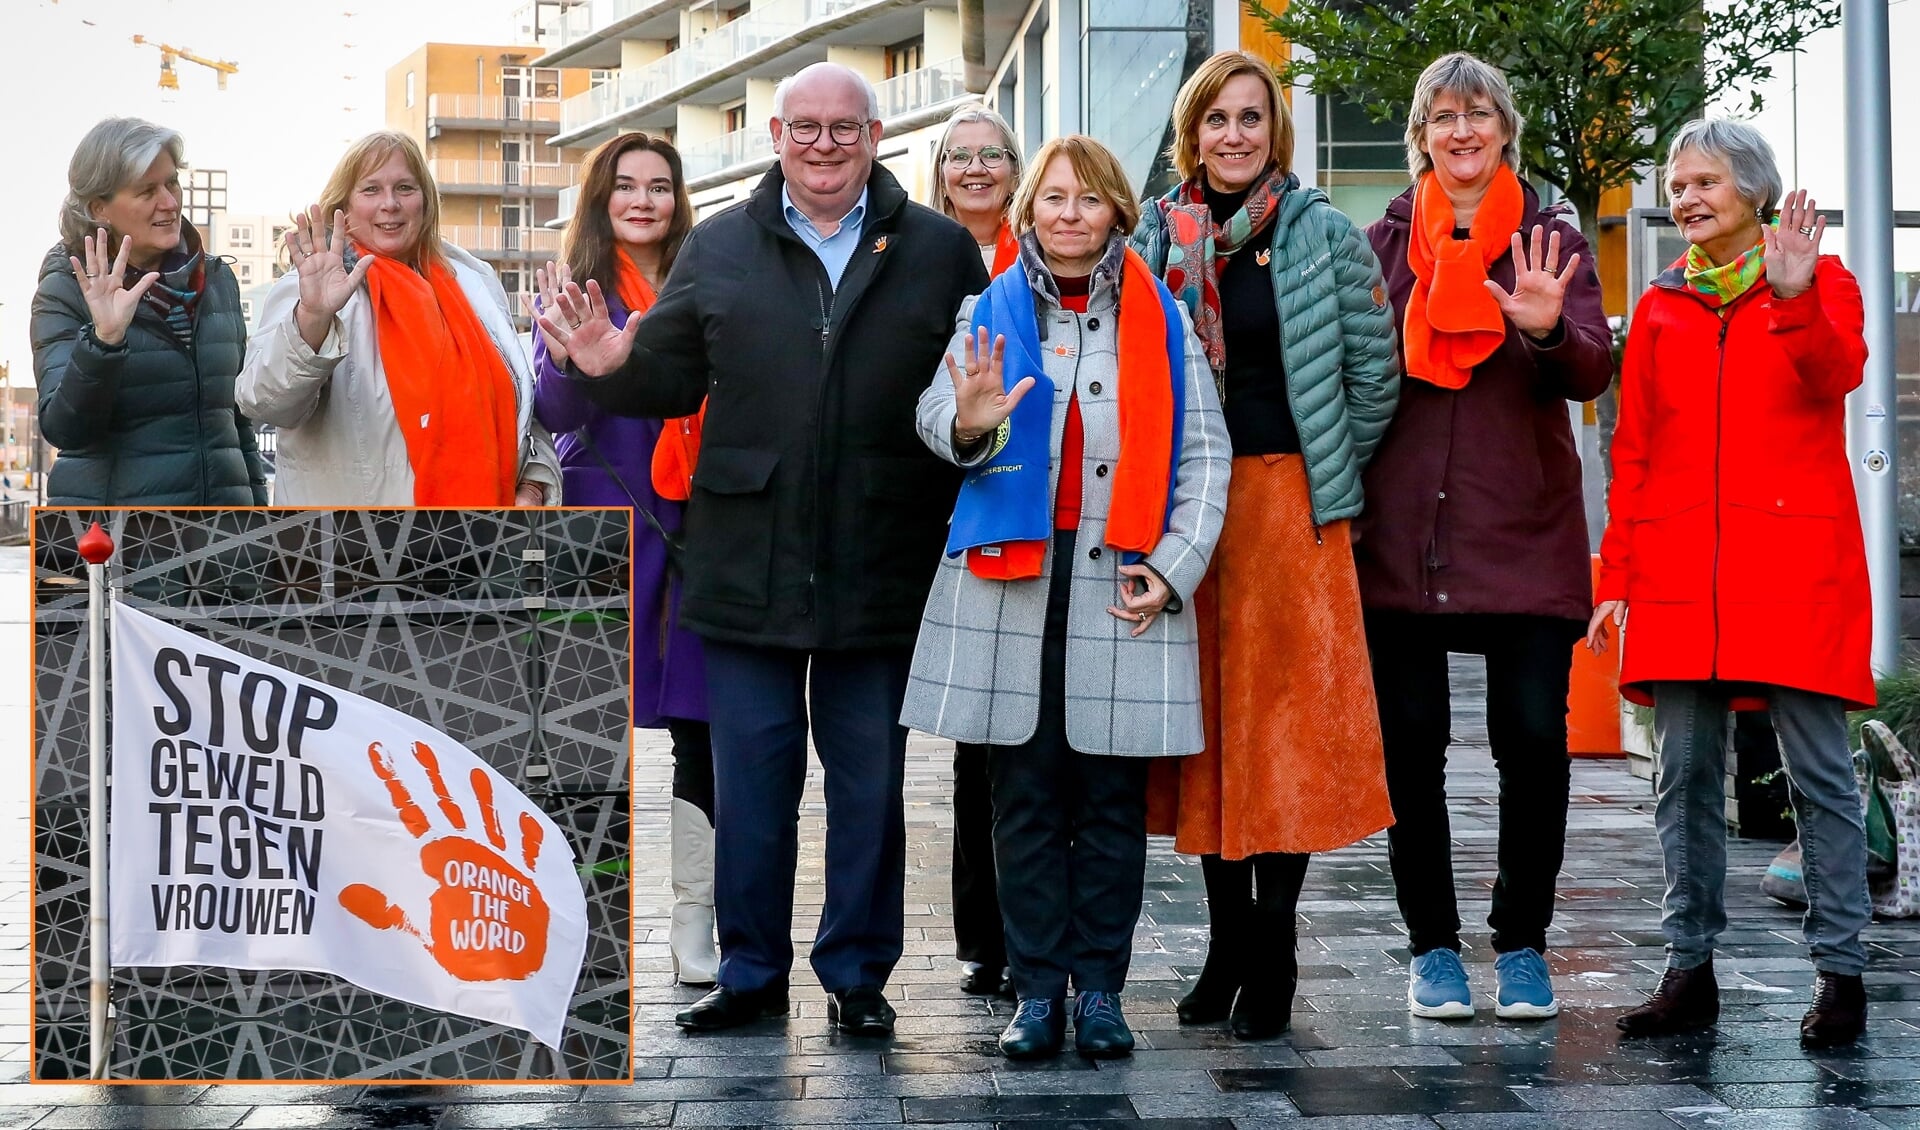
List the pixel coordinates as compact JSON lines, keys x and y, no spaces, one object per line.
{"x":907,"y":504}
{"x":1671,"y":558}
{"x":1780,"y":546}
{"x":731,"y":522}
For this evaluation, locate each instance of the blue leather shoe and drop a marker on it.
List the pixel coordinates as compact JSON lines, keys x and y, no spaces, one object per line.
{"x":1099,"y":1031}
{"x":1038,"y":1028}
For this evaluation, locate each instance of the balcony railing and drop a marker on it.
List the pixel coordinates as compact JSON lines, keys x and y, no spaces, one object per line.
{"x":492,"y":108}
{"x":585,"y":19}
{"x":767,"y":25}
{"x":500,"y":174}
{"x":496,"y":241}
{"x":737,"y":148}
{"x":568,"y":201}
{"x":917,"y":90}
{"x":558,"y":24}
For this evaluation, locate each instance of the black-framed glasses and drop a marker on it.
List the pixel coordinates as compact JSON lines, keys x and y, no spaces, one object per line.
{"x":1478,"y":118}
{"x":842,"y":133}
{"x":991,"y":156}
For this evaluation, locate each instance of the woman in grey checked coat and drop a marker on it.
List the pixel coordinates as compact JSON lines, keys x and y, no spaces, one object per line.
{"x":1054,"y":635}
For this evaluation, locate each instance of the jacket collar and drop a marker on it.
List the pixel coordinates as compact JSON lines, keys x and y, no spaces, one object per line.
{"x":885,"y":201}
{"x":1106,"y":273}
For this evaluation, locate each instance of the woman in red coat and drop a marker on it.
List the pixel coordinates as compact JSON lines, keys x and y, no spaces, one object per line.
{"x":1735,"y":541}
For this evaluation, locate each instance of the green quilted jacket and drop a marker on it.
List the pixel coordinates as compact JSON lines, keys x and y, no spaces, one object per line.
{"x":1343,"y":375}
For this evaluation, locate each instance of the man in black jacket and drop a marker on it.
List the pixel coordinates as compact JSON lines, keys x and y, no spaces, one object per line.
{"x":810,"y":320}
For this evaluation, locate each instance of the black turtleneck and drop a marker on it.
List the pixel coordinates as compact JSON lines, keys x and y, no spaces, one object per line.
{"x":1259,"y":418}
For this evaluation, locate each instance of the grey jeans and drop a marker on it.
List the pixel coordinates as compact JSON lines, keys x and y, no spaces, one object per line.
{"x":1690,"y":735}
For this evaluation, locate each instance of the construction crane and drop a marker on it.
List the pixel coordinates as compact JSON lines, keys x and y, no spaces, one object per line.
{"x":169,"y":80}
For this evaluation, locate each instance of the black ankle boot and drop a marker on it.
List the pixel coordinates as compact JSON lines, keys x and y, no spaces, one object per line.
{"x":1686,"y":999}
{"x":1213,"y":991}
{"x":1265,"y":1005}
{"x":1229,"y":922}
{"x":1839,"y":1013}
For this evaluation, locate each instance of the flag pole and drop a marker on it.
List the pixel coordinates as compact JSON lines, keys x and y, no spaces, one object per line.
{"x":96,"y":547}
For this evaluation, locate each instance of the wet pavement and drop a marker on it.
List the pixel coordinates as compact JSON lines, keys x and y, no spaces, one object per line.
{"x":1353,"y":1058}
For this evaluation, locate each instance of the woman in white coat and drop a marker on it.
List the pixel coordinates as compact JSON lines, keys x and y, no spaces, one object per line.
{"x":388,"y":359}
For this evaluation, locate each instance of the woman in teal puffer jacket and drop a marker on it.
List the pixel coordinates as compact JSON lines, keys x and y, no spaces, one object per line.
{"x":1286,"y":297}
{"x":137,"y":338}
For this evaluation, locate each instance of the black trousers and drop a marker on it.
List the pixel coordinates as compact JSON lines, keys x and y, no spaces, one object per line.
{"x":978,"y":933}
{"x":1069,"y":837}
{"x":1529,"y":664}
{"x":692,"y":763}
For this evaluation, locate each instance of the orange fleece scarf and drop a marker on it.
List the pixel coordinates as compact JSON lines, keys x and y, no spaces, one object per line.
{"x":452,"y":394}
{"x":1006,"y":250}
{"x":678,"y":449}
{"x":1149,"y":346}
{"x":1453,"y":322}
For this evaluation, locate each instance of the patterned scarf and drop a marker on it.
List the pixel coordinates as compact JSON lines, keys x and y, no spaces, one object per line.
{"x":1196,"y":247}
{"x":1719,"y":286}
{"x":175,"y":295}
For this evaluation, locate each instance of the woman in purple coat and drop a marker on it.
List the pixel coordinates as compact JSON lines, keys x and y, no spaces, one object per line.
{"x":631,"y":219}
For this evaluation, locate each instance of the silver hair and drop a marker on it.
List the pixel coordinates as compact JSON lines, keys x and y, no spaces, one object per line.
{"x":1466,"y":76}
{"x":786,"y":84}
{"x":112,"y":155}
{"x":941,"y":202}
{"x":1756,"y":173}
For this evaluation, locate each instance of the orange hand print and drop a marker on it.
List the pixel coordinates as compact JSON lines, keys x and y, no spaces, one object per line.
{"x":487,"y":921}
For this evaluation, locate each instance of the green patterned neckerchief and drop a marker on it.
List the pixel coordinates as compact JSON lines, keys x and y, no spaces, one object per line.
{"x":1721,"y":285}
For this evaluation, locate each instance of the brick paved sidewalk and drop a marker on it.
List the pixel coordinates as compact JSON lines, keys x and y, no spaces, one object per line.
{"x":1353,"y":1058}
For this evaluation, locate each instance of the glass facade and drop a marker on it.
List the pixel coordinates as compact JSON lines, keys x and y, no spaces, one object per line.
{"x":1135,"y":54}
{"x":1362,"y":163}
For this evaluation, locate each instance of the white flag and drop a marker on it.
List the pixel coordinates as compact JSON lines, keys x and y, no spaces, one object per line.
{"x":262,"y":820}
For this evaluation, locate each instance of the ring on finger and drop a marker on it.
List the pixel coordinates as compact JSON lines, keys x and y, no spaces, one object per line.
{"x":1143,"y":617}
{"x":1806,"y":232}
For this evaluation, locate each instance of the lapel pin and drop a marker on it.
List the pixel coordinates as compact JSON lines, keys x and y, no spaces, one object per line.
{"x":1263,"y":257}
{"x":879,"y":245}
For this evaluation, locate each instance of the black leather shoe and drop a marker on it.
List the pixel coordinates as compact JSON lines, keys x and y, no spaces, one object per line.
{"x":1839,"y":1013}
{"x":1099,"y":1031}
{"x":983,"y":979}
{"x":862,"y":1010}
{"x":1264,"y":1007}
{"x":1687,"y":999}
{"x":1038,"y":1029}
{"x":730,"y":1008}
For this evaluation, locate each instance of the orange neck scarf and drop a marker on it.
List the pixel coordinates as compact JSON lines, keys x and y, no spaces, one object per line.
{"x":677,"y":451}
{"x":452,"y":393}
{"x":1453,"y":322}
{"x":1006,"y":250}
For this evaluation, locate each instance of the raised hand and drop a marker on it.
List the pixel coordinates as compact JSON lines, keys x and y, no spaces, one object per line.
{"x":548,"y":281}
{"x":1793,"y":248}
{"x":580,"y":323}
{"x":1539,"y":284}
{"x":980,"y":399}
{"x":319,"y":255}
{"x":110,"y":301}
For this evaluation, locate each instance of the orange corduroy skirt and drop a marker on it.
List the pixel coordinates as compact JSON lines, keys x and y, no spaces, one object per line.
{"x":1293,"y":760}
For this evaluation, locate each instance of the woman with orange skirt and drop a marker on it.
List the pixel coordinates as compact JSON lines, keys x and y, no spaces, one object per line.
{"x":1293,"y":763}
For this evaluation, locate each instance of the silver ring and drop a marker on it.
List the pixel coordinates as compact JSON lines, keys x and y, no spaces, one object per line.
{"x":93,"y":276}
{"x":1808,"y":232}
{"x":1143,"y":617}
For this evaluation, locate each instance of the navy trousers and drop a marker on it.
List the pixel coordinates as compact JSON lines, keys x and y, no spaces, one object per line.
{"x":761,"y":701}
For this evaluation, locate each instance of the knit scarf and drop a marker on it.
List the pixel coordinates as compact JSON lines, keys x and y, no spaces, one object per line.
{"x":1003,"y":518}
{"x":1719,"y":286}
{"x":452,"y":393}
{"x":1197,"y":247}
{"x":1006,"y":250}
{"x":1453,"y":323}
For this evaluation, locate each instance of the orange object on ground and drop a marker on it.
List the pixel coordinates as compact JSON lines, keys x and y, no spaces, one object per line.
{"x":1593,"y":703}
{"x":1293,"y":760}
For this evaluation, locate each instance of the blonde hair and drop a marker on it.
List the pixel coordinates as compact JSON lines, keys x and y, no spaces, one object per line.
{"x":368,"y":154}
{"x":1095,"y":166}
{"x":1466,"y":76}
{"x":943,"y":203}
{"x":1204,"y":87}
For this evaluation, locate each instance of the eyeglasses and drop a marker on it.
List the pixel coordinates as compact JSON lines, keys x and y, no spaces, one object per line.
{"x":843,"y":133}
{"x":1445,"y":120}
{"x":992,"y":156}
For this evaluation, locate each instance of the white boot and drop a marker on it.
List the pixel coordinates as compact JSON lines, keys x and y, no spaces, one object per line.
{"x":696,"y":959}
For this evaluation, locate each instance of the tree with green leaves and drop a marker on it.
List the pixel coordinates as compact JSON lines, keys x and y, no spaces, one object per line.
{"x":1603,"y":84}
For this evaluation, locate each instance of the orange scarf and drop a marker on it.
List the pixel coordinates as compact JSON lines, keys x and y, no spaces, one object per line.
{"x":1006,"y":250}
{"x":1453,"y":322}
{"x":1143,"y":474}
{"x":452,"y":394}
{"x":678,"y":449}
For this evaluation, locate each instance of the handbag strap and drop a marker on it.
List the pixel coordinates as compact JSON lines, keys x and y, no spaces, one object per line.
{"x":593,"y":449}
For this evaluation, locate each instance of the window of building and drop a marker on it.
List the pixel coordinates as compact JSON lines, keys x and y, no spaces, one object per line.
{"x":736,"y":117}
{"x":1136,"y":53}
{"x":409,"y":89}
{"x":597,"y":79}
{"x":245,"y":271}
{"x":546,"y":83}
{"x":203,"y":192}
{"x":673,"y":45}
{"x":246,"y":309}
{"x":908,"y":55}
{"x":240,"y":235}
{"x":1362,"y":163}
{"x":728,"y":15}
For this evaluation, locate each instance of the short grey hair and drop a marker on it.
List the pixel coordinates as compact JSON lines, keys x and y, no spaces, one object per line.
{"x":112,"y":155}
{"x":785,"y":85}
{"x":965,"y":115}
{"x":1744,"y":149}
{"x":1468,"y":77}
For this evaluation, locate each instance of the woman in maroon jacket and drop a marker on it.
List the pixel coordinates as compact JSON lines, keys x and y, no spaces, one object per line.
{"x":1474,"y":538}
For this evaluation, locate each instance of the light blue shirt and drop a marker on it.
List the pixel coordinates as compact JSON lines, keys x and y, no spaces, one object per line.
{"x":834,"y":250}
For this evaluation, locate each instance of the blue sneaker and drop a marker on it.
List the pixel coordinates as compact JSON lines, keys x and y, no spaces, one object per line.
{"x":1526,"y":991}
{"x":1437,"y":986}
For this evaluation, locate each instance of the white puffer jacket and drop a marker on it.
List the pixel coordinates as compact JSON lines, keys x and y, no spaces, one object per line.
{"x":340,"y":443}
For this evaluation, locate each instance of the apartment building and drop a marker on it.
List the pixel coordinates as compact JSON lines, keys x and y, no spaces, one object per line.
{"x":487,"y":117}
